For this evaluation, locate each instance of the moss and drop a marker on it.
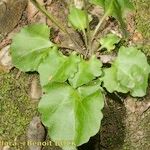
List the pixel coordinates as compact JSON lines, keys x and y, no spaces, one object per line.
{"x":16,"y":107}
{"x":142,"y":19}
{"x":142,"y":16}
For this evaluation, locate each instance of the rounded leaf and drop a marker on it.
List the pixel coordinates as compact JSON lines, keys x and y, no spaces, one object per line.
{"x":70,"y":114}
{"x":30,"y":47}
{"x":57,"y":67}
{"x":129,"y":73}
{"x":87,"y":71}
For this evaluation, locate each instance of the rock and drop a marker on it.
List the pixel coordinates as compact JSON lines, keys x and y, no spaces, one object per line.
{"x":36,"y":134}
{"x":79,"y":3}
{"x":36,"y":91}
{"x":61,"y":15}
{"x":48,"y":2}
{"x":137,"y":123}
{"x":64,"y":40}
{"x":6,"y":148}
{"x":3,"y":8}
{"x":34,"y":15}
{"x":1,"y":140}
{"x":10,"y":14}
{"x":5,"y":59}
{"x":106,"y":58}
{"x":1,"y":148}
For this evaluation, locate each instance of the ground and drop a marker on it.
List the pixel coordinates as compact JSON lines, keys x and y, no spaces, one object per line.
{"x":16,"y":107}
{"x":121,"y":128}
{"x":142,"y":21}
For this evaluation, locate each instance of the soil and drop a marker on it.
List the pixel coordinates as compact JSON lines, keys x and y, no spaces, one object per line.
{"x":124,"y":127}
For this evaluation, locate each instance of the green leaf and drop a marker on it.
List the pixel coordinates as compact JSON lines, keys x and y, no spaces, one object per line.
{"x":112,"y":7}
{"x":129,"y":73}
{"x":30,"y":47}
{"x":98,"y":2}
{"x":115,"y":8}
{"x":72,"y":114}
{"x":109,"y":41}
{"x":57,"y":67}
{"x":77,"y":18}
{"x":132,"y":64}
{"x":126,"y":5}
{"x":110,"y":81}
{"x":87,"y":71}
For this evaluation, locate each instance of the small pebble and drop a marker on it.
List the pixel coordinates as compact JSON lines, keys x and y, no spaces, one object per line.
{"x":34,"y":15}
{"x":36,"y":91}
{"x":36,"y":133}
{"x":5,"y":59}
{"x":6,"y":148}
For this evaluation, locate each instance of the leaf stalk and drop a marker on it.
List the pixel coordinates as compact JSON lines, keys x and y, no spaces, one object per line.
{"x":57,"y":23}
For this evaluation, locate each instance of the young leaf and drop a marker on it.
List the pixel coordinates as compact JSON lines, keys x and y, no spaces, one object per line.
{"x":109,"y":41}
{"x":57,"y":67}
{"x":70,"y":114}
{"x":30,"y":47}
{"x":87,"y":71}
{"x":77,"y":18}
{"x":129,"y":73}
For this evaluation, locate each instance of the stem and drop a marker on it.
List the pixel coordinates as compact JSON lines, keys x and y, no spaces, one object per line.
{"x":109,"y":11}
{"x":98,"y":26}
{"x":87,"y":18}
{"x":85,"y":38}
{"x":88,"y":27}
{"x":48,"y":15}
{"x":57,"y":23}
{"x":96,"y":31}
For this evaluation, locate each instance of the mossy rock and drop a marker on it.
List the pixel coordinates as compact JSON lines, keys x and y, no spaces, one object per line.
{"x":16,"y":108}
{"x":142,"y":21}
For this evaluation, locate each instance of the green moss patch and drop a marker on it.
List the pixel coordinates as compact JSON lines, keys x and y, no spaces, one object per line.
{"x":142,"y":20}
{"x":16,"y":108}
